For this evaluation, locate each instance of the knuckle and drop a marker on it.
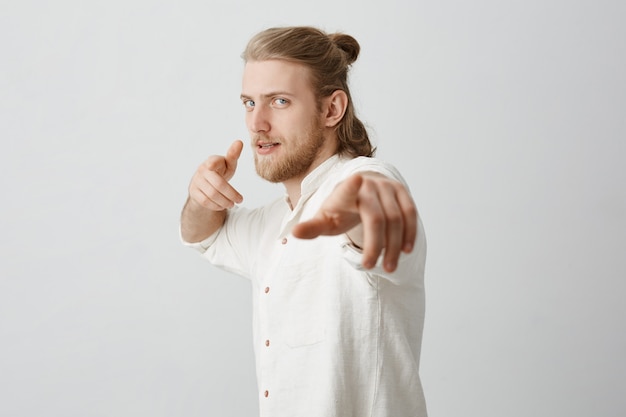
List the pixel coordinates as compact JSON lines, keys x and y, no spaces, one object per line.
{"x":211,"y":194}
{"x":395,"y":218}
{"x":377,"y":220}
{"x":411,"y":210}
{"x":204,"y":201}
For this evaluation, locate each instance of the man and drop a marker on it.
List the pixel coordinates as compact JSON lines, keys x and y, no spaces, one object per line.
{"x":337,"y":264}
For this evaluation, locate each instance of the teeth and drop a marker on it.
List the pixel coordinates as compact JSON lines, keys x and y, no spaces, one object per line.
{"x":268,"y":145}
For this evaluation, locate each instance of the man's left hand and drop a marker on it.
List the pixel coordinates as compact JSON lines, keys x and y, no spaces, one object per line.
{"x":377,"y":213}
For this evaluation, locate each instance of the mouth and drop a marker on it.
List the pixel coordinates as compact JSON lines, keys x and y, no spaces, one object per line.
{"x":267,"y":145}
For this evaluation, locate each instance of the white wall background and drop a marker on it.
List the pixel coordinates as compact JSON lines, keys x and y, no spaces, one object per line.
{"x":507,"y":118}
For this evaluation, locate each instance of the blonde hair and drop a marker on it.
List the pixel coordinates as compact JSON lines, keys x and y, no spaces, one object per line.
{"x":328,"y":58}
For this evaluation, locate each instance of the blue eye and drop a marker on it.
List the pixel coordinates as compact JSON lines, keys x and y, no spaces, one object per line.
{"x":281,"y":101}
{"x":248,"y":103}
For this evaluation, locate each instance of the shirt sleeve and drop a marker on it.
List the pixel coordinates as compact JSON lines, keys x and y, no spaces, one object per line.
{"x":201,"y":246}
{"x":408,"y":264}
{"x":366,"y":164}
{"x":234,"y":246}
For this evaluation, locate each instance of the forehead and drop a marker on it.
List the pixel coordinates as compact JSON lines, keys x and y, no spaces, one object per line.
{"x":270,"y":76}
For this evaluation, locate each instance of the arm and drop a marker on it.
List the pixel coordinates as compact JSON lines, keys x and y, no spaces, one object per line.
{"x":377,"y":213}
{"x":210,"y":195}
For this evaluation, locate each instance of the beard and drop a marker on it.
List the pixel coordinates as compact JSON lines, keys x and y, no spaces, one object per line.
{"x":296,"y":155}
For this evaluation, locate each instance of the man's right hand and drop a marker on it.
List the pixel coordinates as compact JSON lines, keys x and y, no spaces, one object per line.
{"x":210,"y":195}
{"x":209,"y":186}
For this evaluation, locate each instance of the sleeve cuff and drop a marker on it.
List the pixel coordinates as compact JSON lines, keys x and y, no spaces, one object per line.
{"x":354,"y":256}
{"x":201,"y":246}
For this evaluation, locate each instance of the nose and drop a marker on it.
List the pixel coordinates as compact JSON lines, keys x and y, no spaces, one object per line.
{"x":258,"y":120}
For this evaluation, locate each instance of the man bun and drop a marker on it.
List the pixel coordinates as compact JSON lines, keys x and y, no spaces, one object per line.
{"x":347,"y":44}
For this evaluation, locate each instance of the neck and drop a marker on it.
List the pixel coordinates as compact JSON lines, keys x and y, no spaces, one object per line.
{"x":293,"y":186}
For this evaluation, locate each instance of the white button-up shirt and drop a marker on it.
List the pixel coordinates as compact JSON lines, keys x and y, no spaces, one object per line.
{"x":330,"y":339}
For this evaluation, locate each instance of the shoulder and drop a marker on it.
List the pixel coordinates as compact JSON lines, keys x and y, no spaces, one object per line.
{"x":348,"y":167}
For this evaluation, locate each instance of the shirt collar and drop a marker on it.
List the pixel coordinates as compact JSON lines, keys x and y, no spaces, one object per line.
{"x":309,"y":185}
{"x":314,"y":179}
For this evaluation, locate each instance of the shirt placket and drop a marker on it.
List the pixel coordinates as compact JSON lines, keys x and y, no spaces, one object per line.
{"x":271,"y":339}
{"x":271,"y":309}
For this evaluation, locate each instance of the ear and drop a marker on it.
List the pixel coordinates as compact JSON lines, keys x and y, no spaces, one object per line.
{"x":335,"y":107}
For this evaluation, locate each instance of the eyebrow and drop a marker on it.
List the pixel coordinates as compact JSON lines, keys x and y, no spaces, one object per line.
{"x":267,"y":95}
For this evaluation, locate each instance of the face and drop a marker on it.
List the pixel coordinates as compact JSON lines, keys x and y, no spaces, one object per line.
{"x":285,"y":124}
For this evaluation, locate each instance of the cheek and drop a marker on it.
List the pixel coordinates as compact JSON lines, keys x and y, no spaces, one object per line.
{"x":294,"y":125}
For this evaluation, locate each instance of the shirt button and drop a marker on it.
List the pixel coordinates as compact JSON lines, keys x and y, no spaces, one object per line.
{"x":267,"y":289}
{"x":266,"y":394}
{"x":267,"y":343}
{"x":284,"y":241}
